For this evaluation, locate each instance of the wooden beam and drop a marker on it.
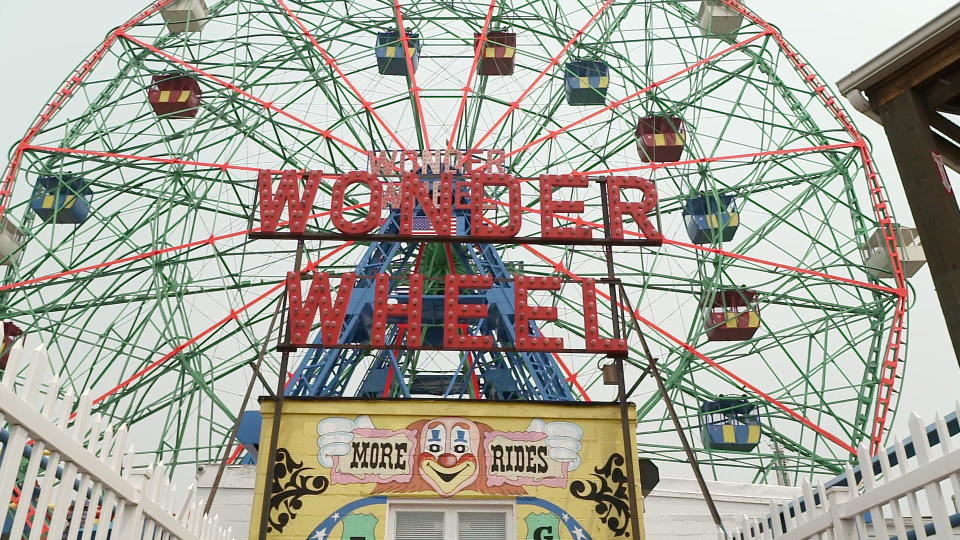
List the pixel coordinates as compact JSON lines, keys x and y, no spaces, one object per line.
{"x":950,"y":107}
{"x":907,"y":122}
{"x":949,"y":151}
{"x":943,"y":87}
{"x":946,"y":126}
{"x":947,"y":140}
{"x":916,"y":74}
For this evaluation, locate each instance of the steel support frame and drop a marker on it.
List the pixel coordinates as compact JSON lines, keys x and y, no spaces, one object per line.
{"x":327,"y":372}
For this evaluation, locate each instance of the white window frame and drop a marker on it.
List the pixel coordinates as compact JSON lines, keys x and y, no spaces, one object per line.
{"x":450,"y":509}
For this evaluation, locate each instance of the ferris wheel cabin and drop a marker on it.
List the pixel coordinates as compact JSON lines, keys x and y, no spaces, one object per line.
{"x":661,"y":139}
{"x":585,"y":82}
{"x":63,"y":199}
{"x":10,"y":334}
{"x":185,"y":15}
{"x":710,"y":220}
{"x":731,"y":425}
{"x":718,"y":19}
{"x":499,"y":52}
{"x":389,"y":50}
{"x":11,"y":239}
{"x":175,"y":95}
{"x":732,"y":315}
{"x":877,"y":256}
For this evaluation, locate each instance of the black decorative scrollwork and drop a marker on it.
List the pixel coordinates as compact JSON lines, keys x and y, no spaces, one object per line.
{"x":290,"y":485}
{"x":609,"y":493}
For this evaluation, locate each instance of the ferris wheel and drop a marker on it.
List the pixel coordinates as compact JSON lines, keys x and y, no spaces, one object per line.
{"x":776,"y":306}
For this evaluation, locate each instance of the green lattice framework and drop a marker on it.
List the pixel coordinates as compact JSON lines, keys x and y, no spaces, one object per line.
{"x":158,"y":302}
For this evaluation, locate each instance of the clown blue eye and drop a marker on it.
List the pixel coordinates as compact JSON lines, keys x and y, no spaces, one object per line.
{"x":435,"y":439}
{"x":460,"y":440}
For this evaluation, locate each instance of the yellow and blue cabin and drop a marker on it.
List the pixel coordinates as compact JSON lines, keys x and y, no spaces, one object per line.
{"x":390,"y":52}
{"x":585,"y":82}
{"x":62,"y":199}
{"x":711,"y":219}
{"x":730,"y":425}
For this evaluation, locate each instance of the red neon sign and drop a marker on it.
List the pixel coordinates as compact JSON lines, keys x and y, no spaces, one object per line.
{"x":441,"y":195}
{"x":331,"y":309}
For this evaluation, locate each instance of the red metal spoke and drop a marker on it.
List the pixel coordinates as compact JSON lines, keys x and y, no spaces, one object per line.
{"x":461,"y":109}
{"x":807,"y":271}
{"x":770,"y":399}
{"x":580,"y":221}
{"x":709,"y":361}
{"x":767,"y":153}
{"x":343,"y":76}
{"x":717,"y":251}
{"x":60,"y":99}
{"x":327,"y":134}
{"x":556,"y":133}
{"x":412,"y":75}
{"x":236,"y":453}
{"x":550,"y":65}
{"x":894,"y":347}
{"x":154,"y":159}
{"x":234,"y":315}
{"x":572,"y":378}
{"x":146,"y":255}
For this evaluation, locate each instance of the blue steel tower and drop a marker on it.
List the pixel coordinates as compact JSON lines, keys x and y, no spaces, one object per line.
{"x":395,"y":372}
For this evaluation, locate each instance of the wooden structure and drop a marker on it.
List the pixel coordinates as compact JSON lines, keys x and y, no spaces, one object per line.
{"x":911,"y":89}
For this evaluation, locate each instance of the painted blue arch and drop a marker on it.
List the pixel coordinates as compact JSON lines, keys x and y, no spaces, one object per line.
{"x":322,"y":531}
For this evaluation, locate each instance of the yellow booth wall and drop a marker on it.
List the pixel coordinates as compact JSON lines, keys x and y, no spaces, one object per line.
{"x":352,"y":469}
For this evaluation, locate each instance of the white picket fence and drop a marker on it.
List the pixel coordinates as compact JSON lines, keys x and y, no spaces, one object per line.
{"x":78,"y":478}
{"x":909,"y":499}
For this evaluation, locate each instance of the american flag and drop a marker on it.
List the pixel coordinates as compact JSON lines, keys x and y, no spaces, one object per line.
{"x":421,"y":226}
{"x":422,"y":223}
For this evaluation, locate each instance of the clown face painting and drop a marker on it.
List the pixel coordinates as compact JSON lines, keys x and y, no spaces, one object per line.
{"x":448,"y":455}
{"x":408,"y":469}
{"x":448,"y":459}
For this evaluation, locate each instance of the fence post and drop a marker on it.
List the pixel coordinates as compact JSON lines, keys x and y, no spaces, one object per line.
{"x":133,"y":512}
{"x":836,"y":496}
{"x":935,"y":497}
{"x":878,"y":523}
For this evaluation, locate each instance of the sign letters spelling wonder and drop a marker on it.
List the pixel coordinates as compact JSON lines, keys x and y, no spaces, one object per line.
{"x":439,"y":196}
{"x":440,"y":199}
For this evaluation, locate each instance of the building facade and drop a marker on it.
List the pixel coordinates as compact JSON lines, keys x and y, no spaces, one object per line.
{"x":351,"y":469}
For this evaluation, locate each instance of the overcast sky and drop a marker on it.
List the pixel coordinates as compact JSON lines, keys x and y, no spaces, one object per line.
{"x":41,"y":41}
